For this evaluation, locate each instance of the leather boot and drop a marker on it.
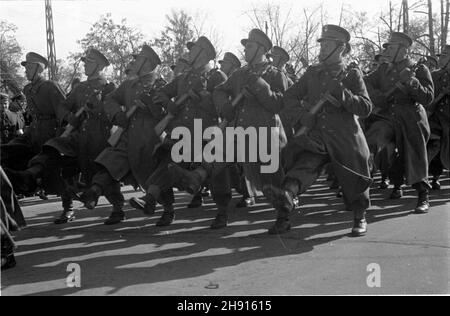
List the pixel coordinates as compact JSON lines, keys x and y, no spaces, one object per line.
{"x":384,"y":184}
{"x":435,"y":184}
{"x":246,"y":202}
{"x":396,"y":193}
{"x":359,"y":227}
{"x":167,"y":217}
{"x":147,"y":203}
{"x":90,"y":197}
{"x":196,"y":201}
{"x":221,"y":219}
{"x":190,"y":181}
{"x":282,"y":224}
{"x":423,"y":204}
{"x":67,"y":215}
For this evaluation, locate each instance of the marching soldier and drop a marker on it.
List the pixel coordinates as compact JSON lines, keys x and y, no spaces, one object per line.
{"x":44,"y":99}
{"x":229,"y":64}
{"x":85,"y":137}
{"x":262,"y":86}
{"x":401,"y":94}
{"x":326,"y":102}
{"x":439,"y":119}
{"x":193,"y":83}
{"x":130,"y":159}
{"x":279,"y":60}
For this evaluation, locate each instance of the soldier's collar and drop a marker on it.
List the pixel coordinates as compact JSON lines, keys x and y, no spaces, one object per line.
{"x":202,"y":70}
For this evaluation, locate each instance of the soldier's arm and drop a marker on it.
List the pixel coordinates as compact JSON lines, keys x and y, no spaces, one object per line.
{"x":356,"y":100}
{"x":169,"y":91}
{"x":270,"y":95}
{"x":423,"y":90}
{"x":113,"y":102}
{"x":206,"y":101}
{"x":221,"y":98}
{"x":293,"y":108}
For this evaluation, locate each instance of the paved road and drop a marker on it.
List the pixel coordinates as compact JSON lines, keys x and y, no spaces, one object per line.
{"x":316,"y":257}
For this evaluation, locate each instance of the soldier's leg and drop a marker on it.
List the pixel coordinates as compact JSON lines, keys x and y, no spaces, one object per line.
{"x":221,"y":194}
{"x":423,"y":204}
{"x":396,"y":176}
{"x":26,"y":181}
{"x":159,"y":181}
{"x":115,"y":197}
{"x":305,"y":170}
{"x":166,"y":199}
{"x":101,"y":182}
{"x":359,"y":207}
{"x":433,"y":152}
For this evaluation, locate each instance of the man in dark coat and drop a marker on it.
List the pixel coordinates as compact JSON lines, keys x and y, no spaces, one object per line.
{"x":402,"y":117}
{"x":279,"y":60}
{"x":439,"y":119}
{"x":12,"y":122}
{"x":262,"y":86}
{"x":130,"y":160}
{"x":333,"y":135}
{"x":229,"y":64}
{"x":86,"y":136}
{"x":44,"y":104}
{"x":193,"y":83}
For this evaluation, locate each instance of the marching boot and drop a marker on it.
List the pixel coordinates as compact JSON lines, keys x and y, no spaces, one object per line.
{"x":359,"y":227}
{"x":282,"y":224}
{"x":90,"y":197}
{"x":25,"y":181}
{"x":435,"y":184}
{"x":191,"y":181}
{"x":396,"y":193}
{"x":146,"y":203}
{"x":206,"y":192}
{"x":67,"y":215}
{"x":423,"y":204}
{"x":246,"y":202}
{"x":221,"y":219}
{"x":167,"y":217}
{"x":384,"y":184}
{"x":282,"y":198}
{"x":117,"y":216}
{"x":197,"y":201}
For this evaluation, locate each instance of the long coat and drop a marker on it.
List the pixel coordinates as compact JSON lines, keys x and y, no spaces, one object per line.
{"x":44,"y":104}
{"x":259,"y":110}
{"x":132,"y":156}
{"x":440,"y":115}
{"x":337,"y":132}
{"x":90,"y":136}
{"x":406,"y":114}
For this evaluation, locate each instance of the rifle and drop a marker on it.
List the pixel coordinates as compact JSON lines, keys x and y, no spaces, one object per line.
{"x":69,"y":127}
{"x":327,"y":97}
{"x":115,"y":137}
{"x":223,"y":124}
{"x":161,"y":126}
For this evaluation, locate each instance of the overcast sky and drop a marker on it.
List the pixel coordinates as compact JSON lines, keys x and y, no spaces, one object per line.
{"x":72,"y":19}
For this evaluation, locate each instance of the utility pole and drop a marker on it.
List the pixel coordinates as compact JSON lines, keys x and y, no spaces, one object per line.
{"x":405,"y":16}
{"x":51,"y":49}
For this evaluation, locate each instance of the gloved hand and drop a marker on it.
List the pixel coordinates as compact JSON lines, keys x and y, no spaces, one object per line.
{"x":406,"y":75}
{"x":161,"y":98}
{"x":308,"y":120}
{"x":121,"y":120}
{"x":173,"y":108}
{"x":73,"y":120}
{"x":336,"y":89}
{"x":155,"y":109}
{"x":258,"y":84}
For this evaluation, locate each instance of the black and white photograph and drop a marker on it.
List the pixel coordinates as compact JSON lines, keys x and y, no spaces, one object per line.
{"x":220,"y":155}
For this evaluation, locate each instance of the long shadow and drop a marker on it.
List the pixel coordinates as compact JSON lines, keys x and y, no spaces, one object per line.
{"x":187,"y":248}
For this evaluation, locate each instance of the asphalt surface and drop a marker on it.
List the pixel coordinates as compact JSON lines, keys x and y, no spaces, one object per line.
{"x":410,"y":252}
